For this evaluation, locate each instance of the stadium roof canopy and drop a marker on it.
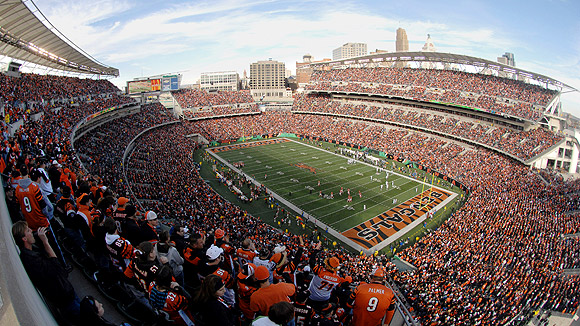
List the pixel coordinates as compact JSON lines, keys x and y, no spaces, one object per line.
{"x":382,"y":58}
{"x":25,"y":37}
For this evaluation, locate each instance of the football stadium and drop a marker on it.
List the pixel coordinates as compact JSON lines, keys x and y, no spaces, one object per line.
{"x":446,"y":181}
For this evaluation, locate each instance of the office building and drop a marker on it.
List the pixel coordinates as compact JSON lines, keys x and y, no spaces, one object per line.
{"x":507,"y":59}
{"x":267,"y":80}
{"x":219,"y":81}
{"x":402,"y":43}
{"x":349,"y":50}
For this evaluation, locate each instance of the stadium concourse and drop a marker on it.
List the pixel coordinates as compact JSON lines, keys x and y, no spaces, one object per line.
{"x":495,"y":260}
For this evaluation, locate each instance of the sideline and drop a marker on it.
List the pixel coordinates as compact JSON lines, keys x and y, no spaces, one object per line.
{"x":319,"y":223}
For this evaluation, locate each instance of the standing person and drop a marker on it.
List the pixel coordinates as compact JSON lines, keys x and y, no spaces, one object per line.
{"x":194,"y":256}
{"x":212,"y":308}
{"x":144,"y":267}
{"x":33,"y":208}
{"x":215,"y":264}
{"x":222,"y":240}
{"x":121,"y":251}
{"x":178,"y":237}
{"x":325,"y":279}
{"x":149,"y":228}
{"x":31,"y":201}
{"x":303,"y":313}
{"x":168,"y":254}
{"x":373,"y":303}
{"x":246,"y":283}
{"x":268,"y":294}
{"x":44,"y":183}
{"x":130,"y":225}
{"x":44,"y":270}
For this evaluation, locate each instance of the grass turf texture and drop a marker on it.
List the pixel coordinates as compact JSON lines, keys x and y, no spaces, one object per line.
{"x":263,"y":211}
{"x":287,"y":169}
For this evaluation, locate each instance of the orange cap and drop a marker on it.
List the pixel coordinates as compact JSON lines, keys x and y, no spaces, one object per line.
{"x":261,"y":273}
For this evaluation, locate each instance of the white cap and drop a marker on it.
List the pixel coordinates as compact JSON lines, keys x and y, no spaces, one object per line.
{"x":150,"y":215}
{"x":279,"y":248}
{"x":307,"y":268}
{"x":214,"y":252}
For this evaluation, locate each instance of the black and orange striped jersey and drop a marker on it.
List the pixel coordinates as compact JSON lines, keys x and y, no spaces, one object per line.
{"x":143,"y":272}
{"x":121,"y":251}
{"x":303,"y":314}
{"x":175,"y":304}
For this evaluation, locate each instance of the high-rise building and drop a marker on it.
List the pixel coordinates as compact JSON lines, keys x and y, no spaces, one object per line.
{"x":267,"y":79}
{"x":402,"y":44}
{"x":429,"y":46}
{"x":349,"y":50}
{"x":219,"y":81}
{"x":507,"y":59}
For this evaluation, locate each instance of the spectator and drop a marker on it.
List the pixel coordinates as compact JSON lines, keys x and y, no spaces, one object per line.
{"x":166,"y":295}
{"x":168,"y":254}
{"x":268,"y":294}
{"x":212,"y":308}
{"x":373,"y":303}
{"x":44,"y":270}
{"x":281,"y":313}
{"x":149,"y":227}
{"x":92,"y":312}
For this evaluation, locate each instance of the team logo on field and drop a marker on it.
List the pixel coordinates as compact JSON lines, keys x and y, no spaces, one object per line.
{"x":379,"y":228}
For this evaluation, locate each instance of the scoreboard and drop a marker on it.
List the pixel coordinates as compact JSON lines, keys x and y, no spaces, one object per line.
{"x":165,"y":83}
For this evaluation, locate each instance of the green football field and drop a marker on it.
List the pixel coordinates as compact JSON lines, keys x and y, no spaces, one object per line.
{"x":311,"y":177}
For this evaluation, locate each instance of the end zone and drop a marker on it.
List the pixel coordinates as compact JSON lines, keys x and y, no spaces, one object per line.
{"x":384,"y":229}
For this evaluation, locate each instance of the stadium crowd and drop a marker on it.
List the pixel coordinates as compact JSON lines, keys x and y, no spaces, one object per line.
{"x":486,"y":92}
{"x":522,"y":144}
{"x":194,"y":98}
{"x":500,"y":253}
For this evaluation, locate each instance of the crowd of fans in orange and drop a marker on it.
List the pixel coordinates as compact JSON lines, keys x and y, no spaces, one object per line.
{"x":486,"y":92}
{"x":522,"y":144}
{"x":500,"y":253}
{"x":195,"y":98}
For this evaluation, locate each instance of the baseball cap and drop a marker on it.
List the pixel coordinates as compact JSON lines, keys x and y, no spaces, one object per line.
{"x":378,"y":272}
{"x":279,"y":248}
{"x":214,"y":252}
{"x":150,"y":215}
{"x":122,"y":200}
{"x":219,"y":233}
{"x":246,"y":271}
{"x":261,"y":273}
{"x":348,"y":279}
{"x":333,"y":262}
{"x":277,"y":258}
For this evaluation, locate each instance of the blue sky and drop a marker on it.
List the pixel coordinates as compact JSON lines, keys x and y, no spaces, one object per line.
{"x":144,"y":38}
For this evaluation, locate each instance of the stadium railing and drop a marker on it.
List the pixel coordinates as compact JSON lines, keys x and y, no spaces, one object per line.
{"x":20,"y":303}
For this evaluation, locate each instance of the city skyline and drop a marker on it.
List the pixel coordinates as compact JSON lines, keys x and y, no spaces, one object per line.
{"x":145,"y":38}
